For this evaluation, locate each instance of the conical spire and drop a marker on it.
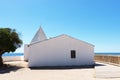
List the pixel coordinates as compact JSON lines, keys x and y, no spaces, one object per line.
{"x":39,"y":36}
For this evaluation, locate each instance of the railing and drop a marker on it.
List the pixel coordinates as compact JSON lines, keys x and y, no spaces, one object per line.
{"x":108,"y":59}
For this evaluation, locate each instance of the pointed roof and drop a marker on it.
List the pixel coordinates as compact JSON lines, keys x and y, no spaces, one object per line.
{"x":39,"y":36}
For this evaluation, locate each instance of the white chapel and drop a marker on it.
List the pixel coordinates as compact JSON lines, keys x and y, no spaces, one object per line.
{"x":62,"y":50}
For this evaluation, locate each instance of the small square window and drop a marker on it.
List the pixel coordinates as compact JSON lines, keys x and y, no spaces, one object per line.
{"x":73,"y":54}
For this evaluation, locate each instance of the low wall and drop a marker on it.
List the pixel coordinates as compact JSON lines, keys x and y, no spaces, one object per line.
{"x":108,"y":59}
{"x":13,"y":58}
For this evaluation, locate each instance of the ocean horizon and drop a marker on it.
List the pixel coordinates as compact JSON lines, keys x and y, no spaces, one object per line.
{"x":13,"y":54}
{"x":96,"y":53}
{"x":108,"y":53}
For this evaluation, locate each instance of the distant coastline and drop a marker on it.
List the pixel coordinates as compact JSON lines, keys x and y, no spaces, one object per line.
{"x":108,"y":53}
{"x":96,"y":53}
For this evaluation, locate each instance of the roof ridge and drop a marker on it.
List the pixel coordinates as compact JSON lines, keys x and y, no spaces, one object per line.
{"x":60,"y":36}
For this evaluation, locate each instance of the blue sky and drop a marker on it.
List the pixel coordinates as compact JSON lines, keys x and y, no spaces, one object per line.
{"x":94,"y":21}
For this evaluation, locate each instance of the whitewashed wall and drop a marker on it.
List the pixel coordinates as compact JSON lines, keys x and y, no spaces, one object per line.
{"x":26,"y":52}
{"x":57,"y":52}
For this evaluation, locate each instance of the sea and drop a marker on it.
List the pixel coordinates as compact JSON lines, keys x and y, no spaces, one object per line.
{"x":109,"y":53}
{"x":12,"y":54}
{"x":97,"y":53}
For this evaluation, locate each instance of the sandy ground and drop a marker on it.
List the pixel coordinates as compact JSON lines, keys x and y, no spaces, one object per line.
{"x":19,"y":71}
{"x":107,"y":71}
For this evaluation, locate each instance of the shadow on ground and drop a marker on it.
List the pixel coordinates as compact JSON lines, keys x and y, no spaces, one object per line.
{"x":60,"y":67}
{"x":7,"y":68}
{"x":66,"y":67}
{"x":99,"y":64}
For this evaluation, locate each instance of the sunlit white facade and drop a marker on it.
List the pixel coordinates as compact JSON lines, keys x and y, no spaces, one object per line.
{"x":62,"y":50}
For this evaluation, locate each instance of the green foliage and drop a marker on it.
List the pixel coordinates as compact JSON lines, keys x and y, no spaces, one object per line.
{"x":9,"y":40}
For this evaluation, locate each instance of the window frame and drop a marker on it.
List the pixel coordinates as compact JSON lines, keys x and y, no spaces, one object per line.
{"x":73,"y":54}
